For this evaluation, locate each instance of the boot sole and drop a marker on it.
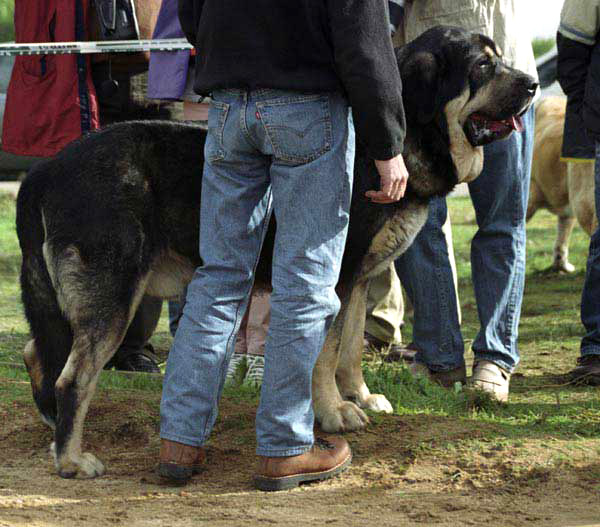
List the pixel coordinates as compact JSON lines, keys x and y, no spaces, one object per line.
{"x":292,"y":481}
{"x":177,"y":474}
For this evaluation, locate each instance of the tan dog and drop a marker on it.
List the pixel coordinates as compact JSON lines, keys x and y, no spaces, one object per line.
{"x":564,"y":188}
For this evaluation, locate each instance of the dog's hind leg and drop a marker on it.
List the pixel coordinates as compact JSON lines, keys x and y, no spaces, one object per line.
{"x":95,"y":340}
{"x":46,"y":353}
{"x":331,"y":411}
{"x":100,"y":305}
{"x":536,"y":199}
{"x":74,"y":390}
{"x":561,"y":246}
{"x":349,"y":371}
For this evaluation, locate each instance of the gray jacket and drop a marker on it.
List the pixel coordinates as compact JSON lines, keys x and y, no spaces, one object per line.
{"x":501,"y":20}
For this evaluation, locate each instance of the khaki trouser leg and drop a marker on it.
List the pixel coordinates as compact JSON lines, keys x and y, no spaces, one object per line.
{"x":385,"y":307}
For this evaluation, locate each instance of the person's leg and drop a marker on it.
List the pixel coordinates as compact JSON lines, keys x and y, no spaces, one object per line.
{"x":588,"y":369}
{"x":135,"y":353}
{"x":233,"y":220}
{"x":175,"y":312}
{"x":259,"y":314}
{"x":499,"y":196}
{"x":385,"y":308}
{"x":311,"y":201}
{"x":426,"y":274}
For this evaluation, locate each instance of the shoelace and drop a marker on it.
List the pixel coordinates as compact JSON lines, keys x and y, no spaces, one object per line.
{"x":323,"y":444}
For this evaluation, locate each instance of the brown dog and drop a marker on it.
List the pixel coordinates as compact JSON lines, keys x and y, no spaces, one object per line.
{"x":564,"y":188}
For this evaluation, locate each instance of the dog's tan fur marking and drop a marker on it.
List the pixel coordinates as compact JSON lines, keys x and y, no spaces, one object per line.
{"x":467,"y":159}
{"x":88,"y":356}
{"x":349,"y":372}
{"x":171,"y":272}
{"x":338,"y":367}
{"x":34,"y":368}
{"x":393,"y":239}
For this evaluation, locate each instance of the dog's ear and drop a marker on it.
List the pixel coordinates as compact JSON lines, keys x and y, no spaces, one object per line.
{"x":421,"y":86}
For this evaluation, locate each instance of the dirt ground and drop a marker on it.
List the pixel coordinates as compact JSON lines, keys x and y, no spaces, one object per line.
{"x":407,"y":470}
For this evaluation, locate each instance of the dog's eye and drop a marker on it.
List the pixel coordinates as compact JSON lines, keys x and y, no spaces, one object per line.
{"x":484,"y":64}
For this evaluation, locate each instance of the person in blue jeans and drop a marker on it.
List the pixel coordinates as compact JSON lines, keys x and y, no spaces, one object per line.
{"x":282,"y":76}
{"x":499,"y":196}
{"x":578,"y":71}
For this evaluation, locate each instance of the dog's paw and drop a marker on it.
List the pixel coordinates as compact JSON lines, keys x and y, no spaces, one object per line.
{"x":378,"y":403}
{"x":560,"y":266}
{"x":85,"y":466}
{"x":343,"y":418}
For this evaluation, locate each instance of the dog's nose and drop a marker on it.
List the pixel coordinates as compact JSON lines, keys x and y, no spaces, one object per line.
{"x":532,"y":88}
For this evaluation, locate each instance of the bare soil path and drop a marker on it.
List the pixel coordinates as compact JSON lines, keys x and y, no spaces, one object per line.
{"x":411,"y":470}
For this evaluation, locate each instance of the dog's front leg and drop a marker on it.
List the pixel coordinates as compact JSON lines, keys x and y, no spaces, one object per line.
{"x":331,"y":411}
{"x":349,"y":371}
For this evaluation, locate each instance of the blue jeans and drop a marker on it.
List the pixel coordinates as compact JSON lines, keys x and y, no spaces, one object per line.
{"x":266,"y":150}
{"x":499,"y":196}
{"x":590,"y":298}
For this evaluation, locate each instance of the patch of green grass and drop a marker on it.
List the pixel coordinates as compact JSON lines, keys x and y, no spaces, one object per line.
{"x":542,"y":407}
{"x":542,"y":45}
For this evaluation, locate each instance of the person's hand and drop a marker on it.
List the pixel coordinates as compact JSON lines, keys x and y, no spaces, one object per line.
{"x":394,"y":177}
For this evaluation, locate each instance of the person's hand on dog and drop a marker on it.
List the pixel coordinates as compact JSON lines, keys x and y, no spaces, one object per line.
{"x":394,"y":177}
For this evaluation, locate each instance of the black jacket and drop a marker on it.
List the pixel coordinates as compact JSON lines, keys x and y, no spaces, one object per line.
{"x":307,"y":46}
{"x":578,"y":72}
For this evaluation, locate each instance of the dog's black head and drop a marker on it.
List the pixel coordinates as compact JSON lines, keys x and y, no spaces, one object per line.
{"x":456,"y":81}
{"x":448,"y":64}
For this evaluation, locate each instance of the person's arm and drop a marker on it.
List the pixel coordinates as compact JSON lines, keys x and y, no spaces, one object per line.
{"x":367,"y":68}
{"x":572,"y":65}
{"x":579,"y":26}
{"x":189,"y":16}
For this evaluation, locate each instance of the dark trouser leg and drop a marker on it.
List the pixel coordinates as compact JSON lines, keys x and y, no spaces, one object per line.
{"x":136,"y":339}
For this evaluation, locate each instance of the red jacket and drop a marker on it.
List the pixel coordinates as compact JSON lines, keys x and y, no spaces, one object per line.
{"x":51,"y":98}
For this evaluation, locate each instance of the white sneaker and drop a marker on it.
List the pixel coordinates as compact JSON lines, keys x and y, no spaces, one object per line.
{"x":256,"y":368}
{"x":237,"y":359}
{"x":489,"y":377}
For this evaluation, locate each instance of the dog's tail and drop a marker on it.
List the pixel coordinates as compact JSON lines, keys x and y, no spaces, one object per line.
{"x":45,"y":355}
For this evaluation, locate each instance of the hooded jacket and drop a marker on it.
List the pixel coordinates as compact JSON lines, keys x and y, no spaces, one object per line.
{"x":51,"y":98}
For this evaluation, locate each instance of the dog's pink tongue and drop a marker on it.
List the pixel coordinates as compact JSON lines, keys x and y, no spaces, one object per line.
{"x":516,"y":123}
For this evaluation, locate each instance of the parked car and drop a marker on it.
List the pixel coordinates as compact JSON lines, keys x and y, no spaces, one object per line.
{"x":546,"y":68}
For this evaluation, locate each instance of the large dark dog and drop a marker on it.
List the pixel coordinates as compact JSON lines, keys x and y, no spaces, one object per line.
{"x":114,"y":217}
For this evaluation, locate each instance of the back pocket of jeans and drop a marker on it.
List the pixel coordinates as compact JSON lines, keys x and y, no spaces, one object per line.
{"x":299,"y":127}
{"x":214,"y":149}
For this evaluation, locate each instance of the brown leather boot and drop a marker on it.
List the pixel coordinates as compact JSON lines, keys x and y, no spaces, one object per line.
{"x":327,"y":457}
{"x":179,"y":462}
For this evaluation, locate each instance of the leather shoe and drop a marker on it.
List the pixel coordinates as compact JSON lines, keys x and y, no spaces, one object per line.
{"x":179,"y":462}
{"x":444,"y":378}
{"x":326,"y":458}
{"x":587,"y":370}
{"x":140,"y":360}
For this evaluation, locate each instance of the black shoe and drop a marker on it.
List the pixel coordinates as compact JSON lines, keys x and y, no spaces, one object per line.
{"x":142,"y":360}
{"x":395,"y":352}
{"x":587,"y":370}
{"x":401,"y":352}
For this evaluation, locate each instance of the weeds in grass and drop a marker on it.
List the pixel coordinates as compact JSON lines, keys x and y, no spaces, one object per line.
{"x":542,"y":406}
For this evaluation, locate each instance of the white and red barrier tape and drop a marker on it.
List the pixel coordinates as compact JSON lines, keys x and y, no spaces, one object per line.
{"x":105,"y":46}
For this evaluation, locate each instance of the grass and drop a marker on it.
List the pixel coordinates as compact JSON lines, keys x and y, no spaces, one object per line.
{"x":542,"y":45}
{"x":7,"y":29}
{"x":543,"y":407}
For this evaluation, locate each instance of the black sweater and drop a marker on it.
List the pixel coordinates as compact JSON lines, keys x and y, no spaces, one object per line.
{"x":307,"y":46}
